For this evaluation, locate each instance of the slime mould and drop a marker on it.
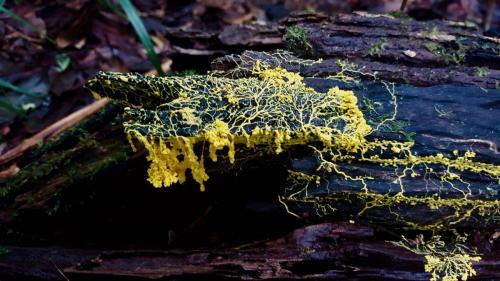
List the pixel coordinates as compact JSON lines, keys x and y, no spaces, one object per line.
{"x":271,"y":111}
{"x":179,"y":119}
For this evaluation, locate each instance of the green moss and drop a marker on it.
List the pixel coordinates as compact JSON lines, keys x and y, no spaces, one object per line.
{"x":433,"y":32}
{"x":433,"y":47}
{"x":37,"y":170}
{"x":74,"y":155}
{"x":400,"y":15}
{"x":74,"y":172}
{"x":297,"y":39}
{"x":271,"y":111}
{"x":54,"y":208}
{"x":186,"y":72}
{"x":448,"y":55}
{"x":481,"y":72}
{"x":377,"y":48}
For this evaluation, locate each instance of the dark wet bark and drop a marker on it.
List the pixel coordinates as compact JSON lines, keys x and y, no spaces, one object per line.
{"x":398,"y":50}
{"x":335,"y":251}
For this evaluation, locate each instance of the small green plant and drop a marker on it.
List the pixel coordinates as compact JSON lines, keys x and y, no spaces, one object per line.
{"x":7,"y":85}
{"x":377,"y":48}
{"x":296,"y":37}
{"x":434,"y":32}
{"x":54,"y":208}
{"x":397,"y":126}
{"x":62,"y":62}
{"x":8,"y":106}
{"x":29,"y":25}
{"x":433,"y":47}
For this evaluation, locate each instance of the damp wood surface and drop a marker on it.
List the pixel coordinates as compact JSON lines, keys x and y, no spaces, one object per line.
{"x":329,"y":250}
{"x":448,"y":99}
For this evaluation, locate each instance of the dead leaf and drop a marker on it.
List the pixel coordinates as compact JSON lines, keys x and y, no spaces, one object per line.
{"x":12,"y":170}
{"x":410,"y":53}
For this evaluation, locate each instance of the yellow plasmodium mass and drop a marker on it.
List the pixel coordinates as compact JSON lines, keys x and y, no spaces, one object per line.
{"x":170,"y":159}
{"x":268,"y":112}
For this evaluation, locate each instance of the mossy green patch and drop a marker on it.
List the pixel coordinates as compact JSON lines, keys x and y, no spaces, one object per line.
{"x":452,"y":54}
{"x":378,"y":47}
{"x":297,"y":39}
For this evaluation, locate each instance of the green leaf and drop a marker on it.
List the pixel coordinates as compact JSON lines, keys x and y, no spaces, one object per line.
{"x":63,"y":61}
{"x":141,"y":32}
{"x":18,"y":18}
{"x":26,"y":23}
{"x":12,"y":108}
{"x":6,"y":84}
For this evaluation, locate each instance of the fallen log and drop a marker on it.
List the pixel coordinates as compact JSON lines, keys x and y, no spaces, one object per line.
{"x":395,"y":49}
{"x":435,"y":169}
{"x":419,"y":151}
{"x":329,"y":250}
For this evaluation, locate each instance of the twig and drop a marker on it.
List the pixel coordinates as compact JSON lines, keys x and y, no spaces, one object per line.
{"x":53,"y":130}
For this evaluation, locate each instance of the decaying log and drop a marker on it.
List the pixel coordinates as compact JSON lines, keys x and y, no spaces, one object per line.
{"x":398,"y":50}
{"x":88,"y":188}
{"x":328,"y":250}
{"x":335,"y":251}
{"x":439,"y":119}
{"x":428,"y":151}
